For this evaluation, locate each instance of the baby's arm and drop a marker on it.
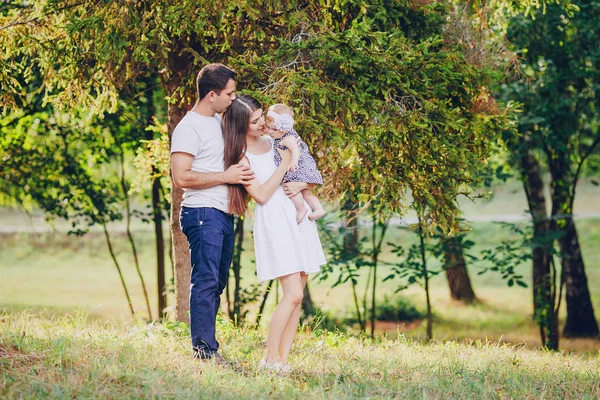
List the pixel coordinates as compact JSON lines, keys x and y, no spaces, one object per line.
{"x":292,"y":143}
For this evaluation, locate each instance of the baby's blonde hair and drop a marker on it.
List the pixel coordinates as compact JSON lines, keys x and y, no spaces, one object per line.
{"x":281,"y":108}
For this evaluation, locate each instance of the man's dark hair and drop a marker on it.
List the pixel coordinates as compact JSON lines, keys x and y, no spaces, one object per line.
{"x":213,"y":78}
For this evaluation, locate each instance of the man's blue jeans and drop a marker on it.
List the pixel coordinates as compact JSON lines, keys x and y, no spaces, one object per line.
{"x":210,"y":236}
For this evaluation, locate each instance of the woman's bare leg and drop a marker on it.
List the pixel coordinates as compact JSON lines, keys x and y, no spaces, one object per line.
{"x":292,"y":327}
{"x":290,"y":301}
{"x":314,"y":203}
{"x":300,"y":209}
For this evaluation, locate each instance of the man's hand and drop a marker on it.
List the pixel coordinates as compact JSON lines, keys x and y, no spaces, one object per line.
{"x":239,"y":174}
{"x":293,"y":188}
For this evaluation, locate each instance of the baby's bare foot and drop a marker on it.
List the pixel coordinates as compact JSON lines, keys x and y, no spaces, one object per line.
{"x":316,"y":214}
{"x":300,"y":215}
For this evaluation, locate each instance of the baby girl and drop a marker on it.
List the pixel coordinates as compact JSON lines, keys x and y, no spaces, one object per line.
{"x":280,"y":124}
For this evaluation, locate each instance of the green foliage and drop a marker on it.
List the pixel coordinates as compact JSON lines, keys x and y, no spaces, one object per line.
{"x":400,"y":112}
{"x":152,"y":158}
{"x":58,"y":161}
{"x":398,"y":308}
{"x":379,"y":85}
{"x":559,"y":89}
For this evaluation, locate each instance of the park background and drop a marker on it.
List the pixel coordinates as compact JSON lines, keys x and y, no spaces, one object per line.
{"x":459,"y":145}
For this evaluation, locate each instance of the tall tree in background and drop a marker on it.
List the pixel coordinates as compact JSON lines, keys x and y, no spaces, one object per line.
{"x":560,"y":120}
{"x":455,"y":267}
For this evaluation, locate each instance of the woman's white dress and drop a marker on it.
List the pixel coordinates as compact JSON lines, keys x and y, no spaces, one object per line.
{"x":282,"y":246}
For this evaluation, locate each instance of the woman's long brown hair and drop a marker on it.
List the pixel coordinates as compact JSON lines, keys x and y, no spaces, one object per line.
{"x":235,"y":125}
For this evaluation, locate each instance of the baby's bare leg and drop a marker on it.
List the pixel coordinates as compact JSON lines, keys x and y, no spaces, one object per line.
{"x":314,"y":203}
{"x":300,"y":209}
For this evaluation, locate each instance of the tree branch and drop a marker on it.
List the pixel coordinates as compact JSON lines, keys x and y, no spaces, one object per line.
{"x":584,"y":157}
{"x":32,"y":20}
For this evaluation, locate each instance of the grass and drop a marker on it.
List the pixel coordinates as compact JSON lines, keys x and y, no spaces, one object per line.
{"x":57,"y":272}
{"x":48,"y":350}
{"x":44,"y":356}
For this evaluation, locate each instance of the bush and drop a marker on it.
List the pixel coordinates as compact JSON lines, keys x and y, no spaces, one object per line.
{"x":398,"y":309}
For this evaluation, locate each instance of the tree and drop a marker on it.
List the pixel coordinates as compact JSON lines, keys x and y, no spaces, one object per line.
{"x":560,"y":120}
{"x":378,"y":84}
{"x":54,"y":160}
{"x":455,"y":267}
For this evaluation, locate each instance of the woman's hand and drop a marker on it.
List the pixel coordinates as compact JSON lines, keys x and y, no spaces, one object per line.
{"x":286,"y":157}
{"x":291,"y":189}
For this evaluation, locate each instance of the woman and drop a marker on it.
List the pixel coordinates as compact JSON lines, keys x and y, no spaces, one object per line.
{"x":284,"y":249}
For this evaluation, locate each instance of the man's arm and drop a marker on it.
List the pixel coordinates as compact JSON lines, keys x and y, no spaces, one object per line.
{"x":185,"y":178}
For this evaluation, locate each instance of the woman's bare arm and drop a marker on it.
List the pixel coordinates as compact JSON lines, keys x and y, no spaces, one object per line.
{"x":262,"y":193}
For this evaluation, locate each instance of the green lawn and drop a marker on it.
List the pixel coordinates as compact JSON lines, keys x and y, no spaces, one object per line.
{"x":53,"y":271}
{"x":59,"y":272}
{"x":65,"y":329}
{"x":42,"y":356}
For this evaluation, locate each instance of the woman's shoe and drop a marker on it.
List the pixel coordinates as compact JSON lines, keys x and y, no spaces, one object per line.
{"x":275,"y":367}
{"x":286,"y":368}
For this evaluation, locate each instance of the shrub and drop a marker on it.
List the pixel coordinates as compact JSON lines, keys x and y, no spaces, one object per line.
{"x":398,"y":309}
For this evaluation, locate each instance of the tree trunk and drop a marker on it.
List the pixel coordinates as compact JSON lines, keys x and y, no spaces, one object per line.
{"x":581,"y":321}
{"x":544,"y":285}
{"x":181,"y":252}
{"x":456,"y":270}
{"x":178,"y":66}
{"x":425,"y":280}
{"x":351,"y":246}
{"x":130,"y":235}
{"x":307,"y":304}
{"x":263,"y":303}
{"x":119,"y":271}
{"x":160,"y":248}
{"x":236,"y":312}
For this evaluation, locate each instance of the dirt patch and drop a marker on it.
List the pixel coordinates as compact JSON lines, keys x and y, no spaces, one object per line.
{"x":395,"y":326}
{"x":14,"y":358}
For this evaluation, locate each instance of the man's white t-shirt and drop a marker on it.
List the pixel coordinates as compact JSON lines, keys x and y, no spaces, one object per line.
{"x":202,"y":137}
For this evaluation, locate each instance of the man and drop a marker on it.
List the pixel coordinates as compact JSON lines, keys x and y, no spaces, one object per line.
{"x":197,"y":166}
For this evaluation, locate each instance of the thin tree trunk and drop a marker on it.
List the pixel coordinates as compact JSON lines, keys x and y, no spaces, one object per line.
{"x":307,"y":303}
{"x":237,"y":268}
{"x":263,"y":303}
{"x":114,"y":258}
{"x":375,"y":260}
{"x":541,"y":252}
{"x":373,"y":295}
{"x":160,"y":247}
{"x":351,"y":246}
{"x":167,"y":209}
{"x":581,"y":320}
{"x":130,"y":236}
{"x":456,"y":270}
{"x":365,"y":299}
{"x":426,"y":280}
